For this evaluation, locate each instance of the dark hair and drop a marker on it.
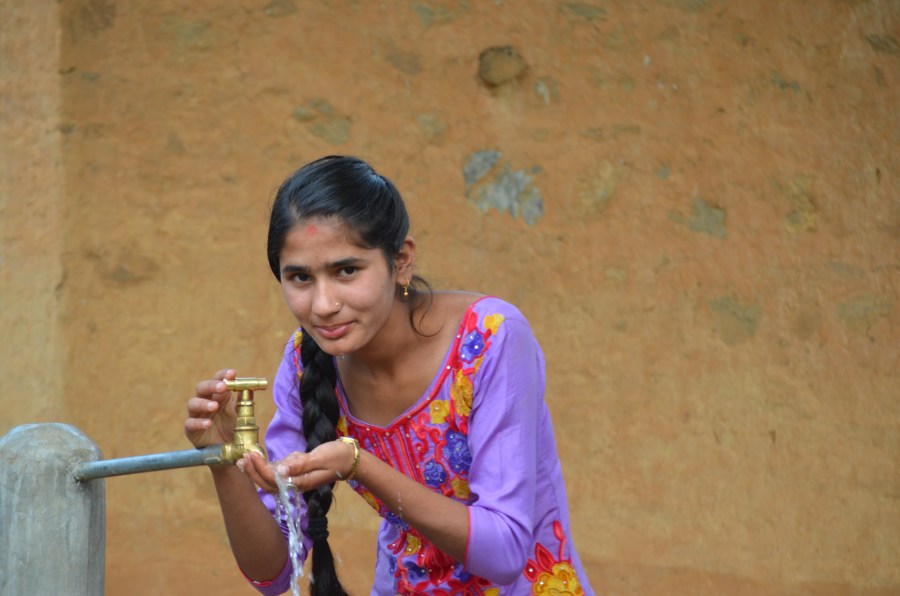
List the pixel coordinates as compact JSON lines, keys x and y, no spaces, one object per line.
{"x":370,"y":206}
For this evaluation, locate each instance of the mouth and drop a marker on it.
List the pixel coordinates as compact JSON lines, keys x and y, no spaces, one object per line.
{"x":333,"y":332}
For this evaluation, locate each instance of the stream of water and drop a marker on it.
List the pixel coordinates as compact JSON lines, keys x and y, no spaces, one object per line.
{"x":288,"y":508}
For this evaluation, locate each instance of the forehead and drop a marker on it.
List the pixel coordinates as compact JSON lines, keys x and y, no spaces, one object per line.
{"x":321,"y":238}
{"x":326,"y":229}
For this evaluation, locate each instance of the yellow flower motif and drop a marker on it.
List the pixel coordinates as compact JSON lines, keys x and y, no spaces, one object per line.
{"x":413,"y":544}
{"x":492,"y":592}
{"x":342,"y":426}
{"x":492,"y":322}
{"x":460,"y":488}
{"x":439,"y":410}
{"x":462,"y":393}
{"x":298,"y":337}
{"x":563,"y":582}
{"x":369,"y":499}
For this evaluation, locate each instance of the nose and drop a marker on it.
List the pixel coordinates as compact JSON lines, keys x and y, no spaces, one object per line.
{"x":325,"y":301}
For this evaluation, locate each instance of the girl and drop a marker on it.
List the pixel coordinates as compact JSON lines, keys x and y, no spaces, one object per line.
{"x":428,"y":404}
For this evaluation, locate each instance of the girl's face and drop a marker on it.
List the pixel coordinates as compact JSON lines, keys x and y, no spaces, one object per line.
{"x":341,"y":294}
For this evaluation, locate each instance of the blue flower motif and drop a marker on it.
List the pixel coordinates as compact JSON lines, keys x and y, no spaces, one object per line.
{"x":395,"y":520}
{"x":458,"y":452}
{"x":472,"y":346}
{"x":392,"y":565}
{"x":416,"y":573}
{"x":461,"y":574}
{"x":435,"y":474}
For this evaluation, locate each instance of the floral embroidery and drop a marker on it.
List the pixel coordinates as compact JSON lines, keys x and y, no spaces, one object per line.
{"x":492,"y":322}
{"x":435,"y":474}
{"x":395,"y":520}
{"x":369,"y":498}
{"x":413,"y":544}
{"x":415,"y":573}
{"x":461,"y":489}
{"x":431,"y":446}
{"x":439,"y":411}
{"x":298,"y":337}
{"x":459,"y":456}
{"x":462,"y":393}
{"x":554,"y":577}
{"x":472,"y":346}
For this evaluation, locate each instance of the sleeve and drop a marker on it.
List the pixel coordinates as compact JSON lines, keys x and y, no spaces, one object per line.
{"x":284,"y":436}
{"x":503,"y":426}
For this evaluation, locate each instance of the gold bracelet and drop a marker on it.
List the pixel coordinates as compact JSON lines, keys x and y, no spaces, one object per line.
{"x":355,"y":467}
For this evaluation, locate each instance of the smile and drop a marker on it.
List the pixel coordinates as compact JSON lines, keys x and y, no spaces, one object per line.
{"x":333,"y":331}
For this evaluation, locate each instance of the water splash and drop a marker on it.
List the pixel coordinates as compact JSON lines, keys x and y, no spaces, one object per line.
{"x":288,"y":508}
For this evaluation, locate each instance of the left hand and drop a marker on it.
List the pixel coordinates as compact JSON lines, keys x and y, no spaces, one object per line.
{"x":305,"y":470}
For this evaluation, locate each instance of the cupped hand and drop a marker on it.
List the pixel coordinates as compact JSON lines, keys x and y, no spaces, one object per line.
{"x":325,"y":464}
{"x":211,"y":416}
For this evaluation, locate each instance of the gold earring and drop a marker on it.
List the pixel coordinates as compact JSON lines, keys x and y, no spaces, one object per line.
{"x":406,"y":288}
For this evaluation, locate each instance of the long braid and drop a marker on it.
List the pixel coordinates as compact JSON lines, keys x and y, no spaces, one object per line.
{"x":348,"y":189}
{"x":320,"y":417}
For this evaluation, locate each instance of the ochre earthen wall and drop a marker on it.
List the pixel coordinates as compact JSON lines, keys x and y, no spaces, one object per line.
{"x":695,"y":202}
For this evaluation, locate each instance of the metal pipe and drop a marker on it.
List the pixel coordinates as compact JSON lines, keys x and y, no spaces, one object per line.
{"x":246,"y":439}
{"x":207,"y":456}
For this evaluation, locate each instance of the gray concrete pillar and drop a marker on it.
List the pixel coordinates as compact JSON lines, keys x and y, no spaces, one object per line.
{"x":52,"y":528}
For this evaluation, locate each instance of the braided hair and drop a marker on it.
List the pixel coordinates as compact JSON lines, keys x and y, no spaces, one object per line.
{"x":370,"y":206}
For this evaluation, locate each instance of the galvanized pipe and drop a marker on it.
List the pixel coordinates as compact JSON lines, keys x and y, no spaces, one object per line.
{"x":207,"y":456}
{"x":246,"y":439}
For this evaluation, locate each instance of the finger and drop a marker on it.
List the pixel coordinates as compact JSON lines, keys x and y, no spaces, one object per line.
{"x":216,"y":386}
{"x":293,"y":465}
{"x":195,"y":425}
{"x":259,"y":471}
{"x":304,"y":470}
{"x":311,"y":480}
{"x":202,"y":408}
{"x":210,"y":388}
{"x":225,"y":373}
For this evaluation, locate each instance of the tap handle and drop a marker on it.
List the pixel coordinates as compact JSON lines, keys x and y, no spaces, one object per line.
{"x":246,"y":432}
{"x":247,"y":384}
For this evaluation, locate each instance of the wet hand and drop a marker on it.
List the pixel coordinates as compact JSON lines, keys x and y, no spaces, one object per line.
{"x":325,"y":464}
{"x":211,"y":416}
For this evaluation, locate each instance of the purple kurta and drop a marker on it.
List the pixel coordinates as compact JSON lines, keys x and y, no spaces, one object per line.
{"x":481,"y":434}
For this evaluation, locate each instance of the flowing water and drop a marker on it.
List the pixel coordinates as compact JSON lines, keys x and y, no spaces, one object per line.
{"x":288,"y":507}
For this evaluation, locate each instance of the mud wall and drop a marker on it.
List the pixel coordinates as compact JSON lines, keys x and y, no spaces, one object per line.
{"x":695,"y":202}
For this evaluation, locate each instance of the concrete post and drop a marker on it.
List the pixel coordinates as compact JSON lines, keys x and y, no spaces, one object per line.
{"x":52,"y":528}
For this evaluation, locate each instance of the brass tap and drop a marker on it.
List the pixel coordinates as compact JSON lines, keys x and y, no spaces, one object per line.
{"x":246,"y":432}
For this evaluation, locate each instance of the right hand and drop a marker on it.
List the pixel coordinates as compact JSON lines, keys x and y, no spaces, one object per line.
{"x":211,"y":416}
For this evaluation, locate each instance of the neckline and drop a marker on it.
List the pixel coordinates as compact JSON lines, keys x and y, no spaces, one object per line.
{"x":429,"y":393}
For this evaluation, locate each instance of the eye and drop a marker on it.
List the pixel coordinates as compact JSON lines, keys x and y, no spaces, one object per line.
{"x":298,"y":278}
{"x":348,"y":271}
